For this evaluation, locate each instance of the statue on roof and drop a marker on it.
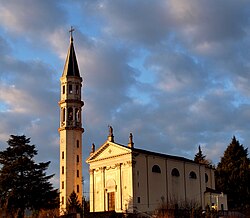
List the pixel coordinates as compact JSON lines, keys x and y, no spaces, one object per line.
{"x":111,"y":136}
{"x":130,"y":142}
{"x":110,"y":131}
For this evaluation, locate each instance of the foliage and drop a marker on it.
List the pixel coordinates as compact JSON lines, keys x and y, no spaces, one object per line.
{"x":24,"y":183}
{"x":233,"y":175}
{"x":73,"y":204}
{"x":176,"y":208}
{"x":200,"y":158}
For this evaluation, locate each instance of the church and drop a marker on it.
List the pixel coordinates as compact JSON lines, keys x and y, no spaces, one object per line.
{"x":127,"y":179}
{"x":124,"y":178}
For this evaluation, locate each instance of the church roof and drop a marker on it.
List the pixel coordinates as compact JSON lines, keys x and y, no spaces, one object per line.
{"x":162,"y":155}
{"x":136,"y":151}
{"x":71,"y":66}
{"x":210,"y":190}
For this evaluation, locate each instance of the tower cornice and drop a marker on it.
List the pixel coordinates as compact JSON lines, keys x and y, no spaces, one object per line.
{"x":71,"y":101}
{"x":70,"y":77}
{"x":71,"y":128}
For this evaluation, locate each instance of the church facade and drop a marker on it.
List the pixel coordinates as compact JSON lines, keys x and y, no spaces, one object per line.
{"x":127,"y":179}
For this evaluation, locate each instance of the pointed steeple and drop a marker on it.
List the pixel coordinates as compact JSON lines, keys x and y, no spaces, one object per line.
{"x":71,"y":66}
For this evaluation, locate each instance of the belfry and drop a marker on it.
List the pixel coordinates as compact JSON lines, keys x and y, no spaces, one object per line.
{"x":70,"y":129}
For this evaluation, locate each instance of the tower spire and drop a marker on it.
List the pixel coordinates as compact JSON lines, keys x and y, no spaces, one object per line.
{"x":71,"y":66}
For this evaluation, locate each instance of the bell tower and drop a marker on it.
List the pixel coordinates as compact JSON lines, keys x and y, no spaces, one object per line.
{"x":70,"y":129}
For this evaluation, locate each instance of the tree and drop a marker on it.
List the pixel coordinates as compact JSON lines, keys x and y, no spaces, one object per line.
{"x":24,"y":183}
{"x":200,"y":158}
{"x":233,"y":175}
{"x":73,"y":204}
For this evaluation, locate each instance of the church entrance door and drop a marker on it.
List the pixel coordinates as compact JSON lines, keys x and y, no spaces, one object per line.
{"x":111,"y":201}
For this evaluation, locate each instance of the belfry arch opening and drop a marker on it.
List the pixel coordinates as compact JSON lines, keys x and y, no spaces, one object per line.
{"x":70,"y":113}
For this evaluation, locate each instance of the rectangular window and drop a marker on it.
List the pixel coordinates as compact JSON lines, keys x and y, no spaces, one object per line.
{"x":63,"y":89}
{"x":70,"y":89}
{"x":77,"y":158}
{"x":77,"y":173}
{"x":62,"y":170}
{"x":138,"y":200}
{"x":62,"y":200}
{"x":77,"y":143}
{"x":63,"y":155}
{"x":77,"y":188}
{"x":62,"y":185}
{"x":77,"y":89}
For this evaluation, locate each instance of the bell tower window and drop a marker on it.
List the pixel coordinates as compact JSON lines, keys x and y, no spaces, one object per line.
{"x":77,"y":115}
{"x":70,"y":113}
{"x":70,"y":89}
{"x":63,"y":91}
{"x":63,"y":114}
{"x":77,"y":89}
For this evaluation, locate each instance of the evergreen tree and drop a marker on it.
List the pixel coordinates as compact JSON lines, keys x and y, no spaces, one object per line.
{"x":200,"y":158}
{"x":73,"y":204}
{"x":23,"y":183}
{"x":233,"y":175}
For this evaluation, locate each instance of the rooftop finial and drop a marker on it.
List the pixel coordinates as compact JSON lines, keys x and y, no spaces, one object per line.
{"x":71,"y":33}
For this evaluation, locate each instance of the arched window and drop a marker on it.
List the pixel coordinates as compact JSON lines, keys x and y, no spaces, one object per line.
{"x":206,"y":178}
{"x":77,"y":89}
{"x":70,"y":89}
{"x":192,"y":175}
{"x":156,"y":169}
{"x":70,"y":113}
{"x":175,"y":172}
{"x":77,"y":115}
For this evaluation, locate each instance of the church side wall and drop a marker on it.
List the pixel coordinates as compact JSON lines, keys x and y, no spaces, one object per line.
{"x":154,"y":189}
{"x":176,"y":183}
{"x":194,"y":184}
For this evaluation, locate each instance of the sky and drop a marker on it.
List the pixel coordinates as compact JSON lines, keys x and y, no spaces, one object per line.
{"x":175,"y":73}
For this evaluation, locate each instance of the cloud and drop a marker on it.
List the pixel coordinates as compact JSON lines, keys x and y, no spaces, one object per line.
{"x":31,"y":17}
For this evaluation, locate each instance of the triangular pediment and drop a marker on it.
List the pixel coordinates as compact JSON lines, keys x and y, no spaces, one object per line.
{"x":108,"y":150}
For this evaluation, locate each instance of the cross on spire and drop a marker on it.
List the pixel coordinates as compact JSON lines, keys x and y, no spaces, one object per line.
{"x":71,"y":32}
